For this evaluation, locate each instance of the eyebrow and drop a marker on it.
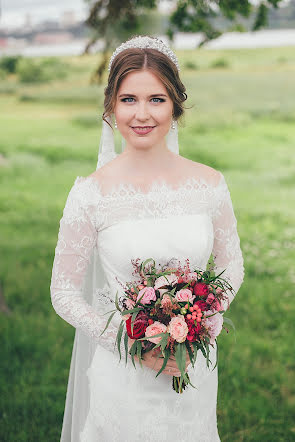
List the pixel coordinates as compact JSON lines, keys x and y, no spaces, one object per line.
{"x":153,"y":95}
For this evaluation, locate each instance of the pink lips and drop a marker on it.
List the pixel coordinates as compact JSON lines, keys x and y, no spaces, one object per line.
{"x":143,"y":131}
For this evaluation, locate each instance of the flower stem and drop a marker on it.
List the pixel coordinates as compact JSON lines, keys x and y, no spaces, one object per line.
{"x":177,"y":386}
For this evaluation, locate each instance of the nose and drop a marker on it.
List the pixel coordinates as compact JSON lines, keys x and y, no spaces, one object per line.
{"x":142,"y":113}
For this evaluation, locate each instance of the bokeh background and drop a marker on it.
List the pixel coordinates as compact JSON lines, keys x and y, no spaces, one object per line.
{"x":241,"y":123}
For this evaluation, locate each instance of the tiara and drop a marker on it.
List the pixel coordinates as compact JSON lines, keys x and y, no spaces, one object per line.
{"x":145,"y":42}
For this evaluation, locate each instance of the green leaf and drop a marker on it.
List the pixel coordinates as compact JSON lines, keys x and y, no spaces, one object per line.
{"x":203,"y":350}
{"x":187,"y":379}
{"x":180,"y":356}
{"x":195,"y":346}
{"x":119,"y":336}
{"x":132,"y":310}
{"x":164,"y":341}
{"x":132,"y":321}
{"x":144,"y":263}
{"x":117,"y":302}
{"x":167,"y":353}
{"x":126,"y":347}
{"x":132,"y":352}
{"x":108,"y":322}
{"x":207,"y":354}
{"x":110,"y":311}
{"x":216,"y":354}
{"x":229,"y":321}
{"x":138,"y":351}
{"x":190,"y":353}
{"x":158,"y":334}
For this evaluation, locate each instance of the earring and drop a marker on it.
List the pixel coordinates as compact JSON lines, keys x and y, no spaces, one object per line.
{"x":116,"y":124}
{"x":173,"y":124}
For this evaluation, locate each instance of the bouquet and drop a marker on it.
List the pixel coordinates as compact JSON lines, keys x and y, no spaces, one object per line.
{"x":174,"y":309}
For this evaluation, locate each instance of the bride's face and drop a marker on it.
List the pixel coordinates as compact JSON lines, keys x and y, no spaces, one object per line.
{"x":142,"y":100}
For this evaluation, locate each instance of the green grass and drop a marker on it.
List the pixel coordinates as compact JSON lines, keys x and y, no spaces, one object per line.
{"x":242,"y":123}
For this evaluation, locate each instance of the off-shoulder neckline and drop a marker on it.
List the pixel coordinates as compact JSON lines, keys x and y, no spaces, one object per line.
{"x":156,"y":186}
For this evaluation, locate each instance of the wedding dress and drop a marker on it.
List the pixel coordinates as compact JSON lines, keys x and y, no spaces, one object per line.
{"x":106,"y":400}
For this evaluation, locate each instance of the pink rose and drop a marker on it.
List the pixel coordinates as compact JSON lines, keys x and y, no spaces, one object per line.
{"x":165,"y":280}
{"x":213,"y":324}
{"x":154,"y":329}
{"x":184,"y":295}
{"x":149,"y":295}
{"x":178,"y":328}
{"x":166,"y":301}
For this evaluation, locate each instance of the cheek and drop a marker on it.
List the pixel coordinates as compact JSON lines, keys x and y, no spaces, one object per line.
{"x":122,"y":112}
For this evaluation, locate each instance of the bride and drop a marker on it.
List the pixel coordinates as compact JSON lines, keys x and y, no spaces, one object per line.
{"x":147,"y":201}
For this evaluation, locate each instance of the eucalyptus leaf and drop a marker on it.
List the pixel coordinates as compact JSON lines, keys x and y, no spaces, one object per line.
{"x":158,"y":334}
{"x":132,"y":321}
{"x":132,"y":352}
{"x":167,"y":352}
{"x":126,"y":347}
{"x":190,"y":353}
{"x":138,"y":351}
{"x":108,"y":321}
{"x":180,"y":356}
{"x":119,"y":336}
{"x":216,"y":354}
{"x":117,"y":302}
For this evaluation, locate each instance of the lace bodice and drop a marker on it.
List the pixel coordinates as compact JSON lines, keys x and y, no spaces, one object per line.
{"x":191,"y":220}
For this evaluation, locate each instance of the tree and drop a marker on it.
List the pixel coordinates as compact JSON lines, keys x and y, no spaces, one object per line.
{"x":116,"y":20}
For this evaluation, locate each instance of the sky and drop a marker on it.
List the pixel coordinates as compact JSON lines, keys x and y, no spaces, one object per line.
{"x":13,"y":12}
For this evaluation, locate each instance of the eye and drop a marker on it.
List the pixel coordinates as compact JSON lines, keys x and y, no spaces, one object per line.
{"x":162,"y":100}
{"x":130,"y":98}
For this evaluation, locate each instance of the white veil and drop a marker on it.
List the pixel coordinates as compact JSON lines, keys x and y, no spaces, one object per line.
{"x":77,"y":397}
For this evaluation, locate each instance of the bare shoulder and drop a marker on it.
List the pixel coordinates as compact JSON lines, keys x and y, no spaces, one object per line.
{"x":97,"y":175}
{"x":200,"y":170}
{"x":103,"y":172}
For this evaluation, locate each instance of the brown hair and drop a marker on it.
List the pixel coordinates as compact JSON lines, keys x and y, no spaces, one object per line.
{"x":136,"y":59}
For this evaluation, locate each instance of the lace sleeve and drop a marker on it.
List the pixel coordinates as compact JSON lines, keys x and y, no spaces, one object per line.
{"x":76,"y":240}
{"x":226,"y":247}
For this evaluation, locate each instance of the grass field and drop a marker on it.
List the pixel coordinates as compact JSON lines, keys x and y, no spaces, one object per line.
{"x":242,"y":123}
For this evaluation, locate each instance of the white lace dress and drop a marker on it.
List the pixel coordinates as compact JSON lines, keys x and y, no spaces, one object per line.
{"x":192,"y":221}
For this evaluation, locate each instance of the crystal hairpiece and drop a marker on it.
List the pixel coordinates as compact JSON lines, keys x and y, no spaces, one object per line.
{"x":145,"y":42}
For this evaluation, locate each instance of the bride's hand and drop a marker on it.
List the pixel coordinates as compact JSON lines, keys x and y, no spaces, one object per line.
{"x":150,"y":359}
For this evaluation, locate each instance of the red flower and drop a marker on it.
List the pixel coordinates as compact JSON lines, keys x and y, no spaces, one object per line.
{"x":201,"y":289}
{"x":139,"y":327}
{"x":193,"y":330}
{"x":203,"y":305}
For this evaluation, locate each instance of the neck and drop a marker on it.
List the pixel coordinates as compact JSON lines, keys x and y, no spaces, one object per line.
{"x":145,"y":159}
